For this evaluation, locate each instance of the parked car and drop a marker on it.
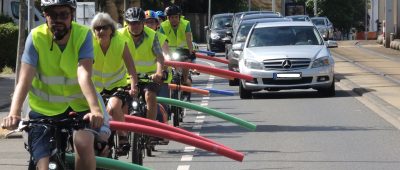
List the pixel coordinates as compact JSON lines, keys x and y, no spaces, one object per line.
{"x":286,"y":55}
{"x":299,"y":18}
{"x":217,"y":31}
{"x":239,"y":39}
{"x":324,"y":26}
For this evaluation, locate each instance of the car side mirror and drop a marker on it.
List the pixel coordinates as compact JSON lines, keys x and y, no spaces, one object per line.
{"x":238,"y":47}
{"x":206,"y":27}
{"x":331,"y":44}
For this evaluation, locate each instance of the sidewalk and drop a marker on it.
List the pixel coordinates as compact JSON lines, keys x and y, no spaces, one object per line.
{"x":370,"y":70}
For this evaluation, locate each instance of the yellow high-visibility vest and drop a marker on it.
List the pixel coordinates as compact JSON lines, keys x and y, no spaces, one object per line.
{"x":55,"y":86}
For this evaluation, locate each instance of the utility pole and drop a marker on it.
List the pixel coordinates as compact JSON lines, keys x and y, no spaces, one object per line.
{"x":389,"y":22}
{"x":249,"y":4}
{"x":315,"y":8}
{"x":274,"y":5}
{"x":366,"y":20}
{"x":209,"y":13}
{"x":21,"y":38}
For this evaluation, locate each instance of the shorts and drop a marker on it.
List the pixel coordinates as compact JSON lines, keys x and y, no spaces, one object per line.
{"x":150,"y":86}
{"x":39,"y":136}
{"x":123,"y":96}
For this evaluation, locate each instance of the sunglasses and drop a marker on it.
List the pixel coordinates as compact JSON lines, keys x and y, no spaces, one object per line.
{"x":58,"y":15}
{"x":103,"y":27}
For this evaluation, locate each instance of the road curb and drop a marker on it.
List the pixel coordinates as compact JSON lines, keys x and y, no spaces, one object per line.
{"x":380,"y":104}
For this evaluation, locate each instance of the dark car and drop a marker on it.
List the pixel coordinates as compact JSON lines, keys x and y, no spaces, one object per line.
{"x":234,"y":46}
{"x":216,"y":31}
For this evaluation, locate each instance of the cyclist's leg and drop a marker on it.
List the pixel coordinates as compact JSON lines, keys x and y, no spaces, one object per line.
{"x":84,"y":149}
{"x":185,"y":77}
{"x":151,"y":90}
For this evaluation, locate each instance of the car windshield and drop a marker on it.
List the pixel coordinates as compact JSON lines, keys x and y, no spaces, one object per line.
{"x":219,"y":22}
{"x":285,"y":35}
{"x":299,"y":18}
{"x":318,"y":21}
{"x":242,"y":32}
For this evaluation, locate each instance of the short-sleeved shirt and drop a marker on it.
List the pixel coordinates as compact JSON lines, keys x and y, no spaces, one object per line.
{"x":188,"y":29}
{"x":31,"y":56}
{"x":157,"y":50}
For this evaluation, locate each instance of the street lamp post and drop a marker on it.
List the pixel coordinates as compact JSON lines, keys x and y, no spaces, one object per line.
{"x":366,"y":20}
{"x":315,"y":8}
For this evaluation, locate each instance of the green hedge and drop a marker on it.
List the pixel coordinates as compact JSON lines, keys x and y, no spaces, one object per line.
{"x":8,"y":45}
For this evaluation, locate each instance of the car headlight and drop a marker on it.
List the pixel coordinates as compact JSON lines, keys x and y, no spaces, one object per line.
{"x":253,"y":64}
{"x":321,"y":62}
{"x":214,"y":36}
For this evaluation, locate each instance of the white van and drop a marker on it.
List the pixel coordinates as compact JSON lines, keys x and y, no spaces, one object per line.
{"x":11,"y":9}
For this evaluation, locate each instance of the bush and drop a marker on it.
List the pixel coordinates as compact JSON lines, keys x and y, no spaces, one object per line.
{"x":8,"y":47}
{"x":5,"y":19}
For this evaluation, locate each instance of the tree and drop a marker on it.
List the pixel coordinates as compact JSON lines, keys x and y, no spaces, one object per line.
{"x":344,"y":14}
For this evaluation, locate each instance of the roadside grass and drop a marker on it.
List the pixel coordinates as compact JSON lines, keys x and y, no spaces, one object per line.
{"x":6,"y":70}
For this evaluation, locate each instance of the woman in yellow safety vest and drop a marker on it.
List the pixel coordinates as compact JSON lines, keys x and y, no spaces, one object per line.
{"x":112,"y":61}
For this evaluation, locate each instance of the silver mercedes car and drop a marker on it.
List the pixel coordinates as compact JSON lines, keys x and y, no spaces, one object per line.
{"x":286,"y":55}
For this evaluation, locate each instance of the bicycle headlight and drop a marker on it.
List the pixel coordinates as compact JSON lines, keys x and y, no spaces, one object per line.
{"x":253,"y":64}
{"x":321,"y":62}
{"x":175,"y":56}
{"x":135,"y":105}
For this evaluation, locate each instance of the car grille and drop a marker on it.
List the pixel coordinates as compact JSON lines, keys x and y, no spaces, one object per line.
{"x":295,"y":63}
{"x":270,"y":81}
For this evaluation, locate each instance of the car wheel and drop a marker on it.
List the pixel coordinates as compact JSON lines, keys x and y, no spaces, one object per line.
{"x":328,"y":92}
{"x":244,"y":94}
{"x":234,"y":82}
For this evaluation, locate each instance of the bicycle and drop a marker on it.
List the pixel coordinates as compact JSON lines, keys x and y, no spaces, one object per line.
{"x":181,"y":55}
{"x":61,"y":139}
{"x":139,"y":143}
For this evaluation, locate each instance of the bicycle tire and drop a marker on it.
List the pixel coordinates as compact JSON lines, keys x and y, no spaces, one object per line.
{"x":137,"y":150}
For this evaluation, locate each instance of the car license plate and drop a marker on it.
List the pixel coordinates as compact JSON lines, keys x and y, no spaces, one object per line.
{"x":287,"y":76}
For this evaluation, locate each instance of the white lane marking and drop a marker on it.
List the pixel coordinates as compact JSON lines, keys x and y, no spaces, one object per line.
{"x":189,"y":149}
{"x":200,"y":117}
{"x":187,"y":158}
{"x":183,"y":167}
{"x":199,"y":121}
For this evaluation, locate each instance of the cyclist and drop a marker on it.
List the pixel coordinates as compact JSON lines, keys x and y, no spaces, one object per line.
{"x":160,"y":16}
{"x":112,"y":59}
{"x":56,"y":70}
{"x":179,"y":35}
{"x":148,"y":57}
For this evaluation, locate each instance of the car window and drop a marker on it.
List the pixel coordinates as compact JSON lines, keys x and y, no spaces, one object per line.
{"x":242,"y":32}
{"x":287,"y":35}
{"x":318,"y":21}
{"x":219,"y":22}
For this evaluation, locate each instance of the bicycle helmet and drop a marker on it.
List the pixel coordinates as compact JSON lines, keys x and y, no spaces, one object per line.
{"x":49,"y":3}
{"x":160,"y":14}
{"x":150,"y":14}
{"x":172,"y":10}
{"x":134,"y":14}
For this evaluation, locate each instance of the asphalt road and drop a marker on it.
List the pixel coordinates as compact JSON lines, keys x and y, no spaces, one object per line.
{"x":296,"y":129}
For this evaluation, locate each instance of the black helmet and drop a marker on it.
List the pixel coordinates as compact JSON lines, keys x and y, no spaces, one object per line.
{"x":134,"y":14}
{"x":172,"y":10}
{"x":48,"y":3}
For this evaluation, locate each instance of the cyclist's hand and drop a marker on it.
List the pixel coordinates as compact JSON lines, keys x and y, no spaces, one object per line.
{"x":133,"y":91}
{"x":157,"y":78}
{"x":10,"y":122}
{"x":95,"y":118}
